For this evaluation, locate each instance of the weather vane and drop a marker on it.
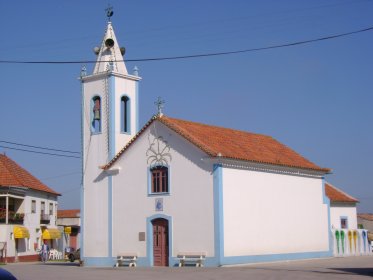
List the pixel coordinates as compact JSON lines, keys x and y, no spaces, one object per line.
{"x":159,"y":103}
{"x":109,"y":12}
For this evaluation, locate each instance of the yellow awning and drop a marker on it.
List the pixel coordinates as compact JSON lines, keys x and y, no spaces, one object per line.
{"x":21,"y":232}
{"x":68,"y":230}
{"x":51,"y":233}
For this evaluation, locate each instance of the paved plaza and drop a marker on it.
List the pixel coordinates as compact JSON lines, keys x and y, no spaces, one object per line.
{"x":332,"y":268}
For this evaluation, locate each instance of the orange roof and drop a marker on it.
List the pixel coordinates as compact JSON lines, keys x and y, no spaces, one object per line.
{"x":69,"y":213}
{"x":13,"y":175}
{"x":231,"y":144}
{"x":365,"y":216}
{"x":336,"y":195}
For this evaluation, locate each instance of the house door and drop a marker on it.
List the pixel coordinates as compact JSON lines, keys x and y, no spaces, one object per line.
{"x":73,"y":241}
{"x":160,"y":242}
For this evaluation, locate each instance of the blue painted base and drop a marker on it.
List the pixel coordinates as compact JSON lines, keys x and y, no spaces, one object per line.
{"x":214,"y":262}
{"x":274,"y":257}
{"x":99,"y":261}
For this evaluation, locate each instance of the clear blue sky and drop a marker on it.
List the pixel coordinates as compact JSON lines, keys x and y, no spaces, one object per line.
{"x":316,"y":98}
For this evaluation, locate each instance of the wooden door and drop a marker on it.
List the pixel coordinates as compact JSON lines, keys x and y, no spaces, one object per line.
{"x":160,"y":242}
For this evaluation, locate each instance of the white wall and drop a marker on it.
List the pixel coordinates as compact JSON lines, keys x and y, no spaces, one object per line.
{"x":190,"y":202}
{"x":343,"y":210}
{"x":267,"y":213}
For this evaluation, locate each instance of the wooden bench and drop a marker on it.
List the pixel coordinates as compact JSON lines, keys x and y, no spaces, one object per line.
{"x":192,"y":258}
{"x":126,"y":259}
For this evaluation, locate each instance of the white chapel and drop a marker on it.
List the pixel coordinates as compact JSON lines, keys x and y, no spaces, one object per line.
{"x":175,"y":188}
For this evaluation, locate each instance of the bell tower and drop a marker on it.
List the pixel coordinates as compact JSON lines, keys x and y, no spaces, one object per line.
{"x":110,"y":119}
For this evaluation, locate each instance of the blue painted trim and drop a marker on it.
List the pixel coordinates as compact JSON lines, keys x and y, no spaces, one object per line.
{"x":149,"y":239}
{"x":218,"y":214}
{"x":111,"y":128}
{"x":150,"y":193}
{"x":82,"y":167}
{"x":112,"y":102}
{"x":326,"y":201}
{"x":110,"y":216}
{"x":128,"y":113}
{"x":99,"y":261}
{"x":274,"y":257}
{"x":137,"y":106}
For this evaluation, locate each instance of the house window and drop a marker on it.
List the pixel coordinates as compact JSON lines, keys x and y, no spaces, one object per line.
{"x":96,"y":117}
{"x":50,"y":208}
{"x":42,"y":208}
{"x":159,"y":176}
{"x":125,"y":113}
{"x":344,"y":222}
{"x":33,"y":206}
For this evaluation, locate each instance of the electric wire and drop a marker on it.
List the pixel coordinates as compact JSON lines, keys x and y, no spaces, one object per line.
{"x":39,"y":147}
{"x":291,"y":44}
{"x":38,"y":152}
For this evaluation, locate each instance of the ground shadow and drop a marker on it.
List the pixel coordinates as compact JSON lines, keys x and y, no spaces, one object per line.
{"x":365,"y":271}
{"x":61,"y":263}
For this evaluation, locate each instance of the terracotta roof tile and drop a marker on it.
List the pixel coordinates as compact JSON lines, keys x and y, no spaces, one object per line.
{"x":336,"y":195}
{"x":13,"y":175}
{"x":231,"y":144}
{"x":241,"y":145}
{"x":365,"y":216}
{"x":68,"y":213}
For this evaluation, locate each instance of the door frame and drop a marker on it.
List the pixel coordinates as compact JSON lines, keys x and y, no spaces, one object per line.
{"x":149,"y":238}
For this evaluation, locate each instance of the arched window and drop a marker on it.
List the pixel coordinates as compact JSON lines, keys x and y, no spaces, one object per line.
{"x":159,"y":179}
{"x":125,"y":113}
{"x":96,"y":110}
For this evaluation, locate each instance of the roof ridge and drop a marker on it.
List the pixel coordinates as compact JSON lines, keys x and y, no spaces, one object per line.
{"x":219,"y":127}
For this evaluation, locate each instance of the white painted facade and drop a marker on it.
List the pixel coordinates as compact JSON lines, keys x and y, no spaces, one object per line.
{"x":189,"y":202}
{"x":268,"y":213}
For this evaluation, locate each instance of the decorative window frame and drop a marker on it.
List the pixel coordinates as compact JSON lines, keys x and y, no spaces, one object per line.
{"x":150,"y":177}
{"x":128,"y":114}
{"x":94,"y":131}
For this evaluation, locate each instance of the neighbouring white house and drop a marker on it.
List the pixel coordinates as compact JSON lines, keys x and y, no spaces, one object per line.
{"x":348,"y":239}
{"x":365,"y":221}
{"x":28,"y":210}
{"x":175,"y":187}
{"x":68,"y":220}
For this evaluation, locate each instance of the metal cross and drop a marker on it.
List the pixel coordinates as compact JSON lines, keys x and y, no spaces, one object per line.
{"x":159,"y":103}
{"x":109,"y":12}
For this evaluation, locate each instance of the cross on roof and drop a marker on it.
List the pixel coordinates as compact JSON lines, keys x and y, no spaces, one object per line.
{"x":109,"y":12}
{"x":159,"y":103}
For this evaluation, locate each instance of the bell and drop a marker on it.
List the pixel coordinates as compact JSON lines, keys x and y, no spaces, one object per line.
{"x":97,"y":114}
{"x":109,"y":43}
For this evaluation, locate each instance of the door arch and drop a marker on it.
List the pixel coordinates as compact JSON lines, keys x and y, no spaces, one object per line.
{"x":160,"y":242}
